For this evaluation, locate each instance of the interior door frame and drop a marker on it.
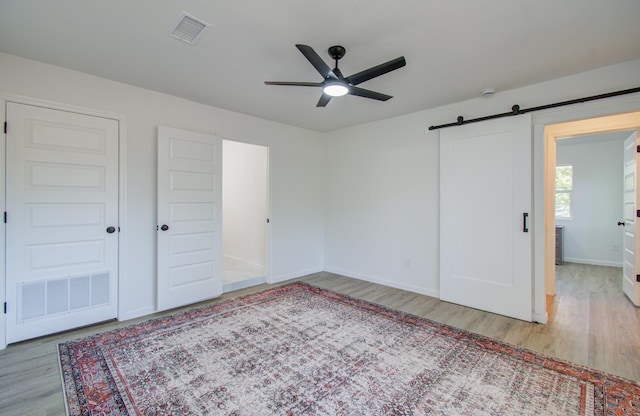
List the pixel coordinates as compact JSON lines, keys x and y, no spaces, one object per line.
{"x":122,"y":187}
{"x":618,"y":122}
{"x":267,"y":242}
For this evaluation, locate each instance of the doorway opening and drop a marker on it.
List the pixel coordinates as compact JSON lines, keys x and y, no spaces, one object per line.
{"x":581,"y":130}
{"x":244,"y":215}
{"x":589,"y":195}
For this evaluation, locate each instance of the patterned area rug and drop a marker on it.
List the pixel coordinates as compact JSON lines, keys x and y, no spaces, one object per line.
{"x":298,"y":350}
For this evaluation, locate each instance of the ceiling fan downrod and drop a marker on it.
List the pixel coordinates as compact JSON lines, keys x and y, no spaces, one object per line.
{"x":336,"y":53}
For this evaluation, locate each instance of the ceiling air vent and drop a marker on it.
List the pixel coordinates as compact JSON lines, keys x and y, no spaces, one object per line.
{"x":188,"y":28}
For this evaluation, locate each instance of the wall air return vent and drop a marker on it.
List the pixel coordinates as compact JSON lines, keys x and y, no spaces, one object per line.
{"x":188,"y":28}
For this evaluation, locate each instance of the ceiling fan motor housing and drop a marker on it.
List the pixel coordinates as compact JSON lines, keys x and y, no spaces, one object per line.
{"x":337,"y":52}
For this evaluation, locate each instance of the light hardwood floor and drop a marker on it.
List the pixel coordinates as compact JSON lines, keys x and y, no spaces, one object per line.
{"x":591,"y":323}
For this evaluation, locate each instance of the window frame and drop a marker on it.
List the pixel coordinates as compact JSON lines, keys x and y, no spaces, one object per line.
{"x":565,"y":192}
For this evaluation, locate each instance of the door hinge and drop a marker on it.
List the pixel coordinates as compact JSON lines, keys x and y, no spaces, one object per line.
{"x":268,"y":220}
{"x":5,"y":127}
{"x":638,"y":213}
{"x":637,"y":280}
{"x":5,"y":217}
{"x":637,"y":148}
{"x":5,"y":307}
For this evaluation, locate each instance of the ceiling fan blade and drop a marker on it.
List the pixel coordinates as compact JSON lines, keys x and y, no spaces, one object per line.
{"x":376,"y":71}
{"x":317,"y":62}
{"x":296,"y":84}
{"x":361,"y":92}
{"x":324,"y":100}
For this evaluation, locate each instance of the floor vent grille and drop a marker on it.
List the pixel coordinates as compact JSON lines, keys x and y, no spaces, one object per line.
{"x":63,"y":295}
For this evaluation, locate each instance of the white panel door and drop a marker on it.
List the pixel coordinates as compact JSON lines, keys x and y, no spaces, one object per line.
{"x":485,"y":202}
{"x":62,"y":220}
{"x":189,"y":217}
{"x":630,"y":243}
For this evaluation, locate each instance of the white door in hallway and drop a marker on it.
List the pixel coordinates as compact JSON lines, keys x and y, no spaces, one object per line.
{"x":189,"y":217}
{"x":630,"y":286}
{"x":62,"y":220}
{"x":485,"y":202}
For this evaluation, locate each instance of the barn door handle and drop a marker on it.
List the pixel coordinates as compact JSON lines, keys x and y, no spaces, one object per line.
{"x":525,"y":215}
{"x":164,"y":227}
{"x":111,"y":229}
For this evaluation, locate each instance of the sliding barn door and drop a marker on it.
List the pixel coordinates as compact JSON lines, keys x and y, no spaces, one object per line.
{"x":485,"y":194}
{"x":62,"y":220}
{"x":189,"y":217}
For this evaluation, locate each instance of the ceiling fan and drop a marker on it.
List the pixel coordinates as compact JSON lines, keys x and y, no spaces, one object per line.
{"x":335,"y":84}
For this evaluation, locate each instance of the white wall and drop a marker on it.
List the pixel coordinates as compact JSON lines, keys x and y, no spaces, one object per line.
{"x":296,"y":168}
{"x":381,"y":221}
{"x":377,"y":217}
{"x":592,"y":235}
{"x":382,"y":181}
{"x":244,"y":202}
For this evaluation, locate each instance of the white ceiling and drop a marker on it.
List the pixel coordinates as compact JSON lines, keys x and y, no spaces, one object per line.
{"x":454,"y":48}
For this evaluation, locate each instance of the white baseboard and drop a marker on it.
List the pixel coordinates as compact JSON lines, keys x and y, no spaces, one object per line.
{"x":242,"y":284}
{"x":540,"y":318}
{"x":285,"y":277}
{"x":243,"y":260}
{"x":136,"y":313}
{"x":593,"y":262}
{"x":386,"y":282}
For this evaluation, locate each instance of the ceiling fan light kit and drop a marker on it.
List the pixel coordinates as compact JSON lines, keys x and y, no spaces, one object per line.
{"x":335,"y":89}
{"x":335,"y":84}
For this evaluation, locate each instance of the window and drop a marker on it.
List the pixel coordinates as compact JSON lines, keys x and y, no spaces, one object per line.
{"x":564,"y":185}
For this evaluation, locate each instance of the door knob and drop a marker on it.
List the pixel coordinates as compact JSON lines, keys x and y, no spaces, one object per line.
{"x":164,"y":227}
{"x":111,"y":229}
{"x":621,"y":223}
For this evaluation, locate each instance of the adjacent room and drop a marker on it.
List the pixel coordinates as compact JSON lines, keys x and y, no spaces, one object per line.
{"x":244,"y":215}
{"x":589,"y":198}
{"x":340,"y":208}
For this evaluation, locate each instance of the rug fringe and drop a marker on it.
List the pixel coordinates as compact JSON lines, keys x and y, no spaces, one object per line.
{"x":64,"y":391}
